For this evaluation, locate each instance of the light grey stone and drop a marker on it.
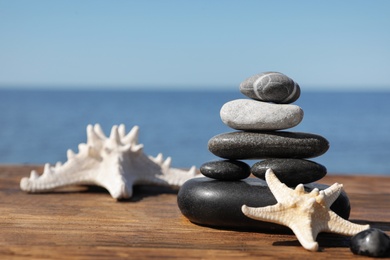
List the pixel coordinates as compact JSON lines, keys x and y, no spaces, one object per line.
{"x":248,"y":114}
{"x":271,"y":87}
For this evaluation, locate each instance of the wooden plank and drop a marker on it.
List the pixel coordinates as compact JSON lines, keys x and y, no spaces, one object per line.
{"x":84,"y":223}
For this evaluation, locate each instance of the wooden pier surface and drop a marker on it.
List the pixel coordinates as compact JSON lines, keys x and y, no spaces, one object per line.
{"x":86,"y":223}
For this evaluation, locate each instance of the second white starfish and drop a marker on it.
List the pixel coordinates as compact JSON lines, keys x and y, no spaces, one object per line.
{"x":116,"y":163}
{"x":307,"y":214}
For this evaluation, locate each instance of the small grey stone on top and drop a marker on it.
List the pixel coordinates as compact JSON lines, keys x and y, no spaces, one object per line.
{"x":271,"y":87}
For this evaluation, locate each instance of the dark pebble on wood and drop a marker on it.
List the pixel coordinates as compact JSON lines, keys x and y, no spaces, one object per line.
{"x":371,"y":242}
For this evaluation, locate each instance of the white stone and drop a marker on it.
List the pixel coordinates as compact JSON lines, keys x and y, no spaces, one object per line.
{"x":247,"y":114}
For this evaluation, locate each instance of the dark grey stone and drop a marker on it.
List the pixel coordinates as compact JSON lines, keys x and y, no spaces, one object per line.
{"x":271,"y":87}
{"x":371,"y":242}
{"x":209,"y":202}
{"x":227,"y":170}
{"x":290,"y":171}
{"x":272,"y":144}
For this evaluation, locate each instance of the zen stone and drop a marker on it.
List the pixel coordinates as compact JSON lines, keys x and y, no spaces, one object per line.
{"x":228,"y":170}
{"x":248,"y":114}
{"x":209,"y":202}
{"x":272,"y":144}
{"x":290,"y":171}
{"x":371,"y":242}
{"x":271,"y":87}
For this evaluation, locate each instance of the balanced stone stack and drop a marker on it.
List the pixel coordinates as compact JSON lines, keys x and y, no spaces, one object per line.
{"x":217,"y":200}
{"x":260,"y":138}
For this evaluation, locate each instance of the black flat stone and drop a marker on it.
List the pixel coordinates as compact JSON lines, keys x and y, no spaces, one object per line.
{"x":209,"y":202}
{"x":271,"y":144}
{"x":371,"y":242}
{"x":227,"y":170}
{"x":290,"y":171}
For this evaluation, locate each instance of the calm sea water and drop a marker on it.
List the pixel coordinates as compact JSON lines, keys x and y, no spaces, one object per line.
{"x":38,"y":126}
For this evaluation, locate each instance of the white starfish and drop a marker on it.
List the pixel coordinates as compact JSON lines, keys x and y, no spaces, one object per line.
{"x":116,"y":163}
{"x":307,"y":214}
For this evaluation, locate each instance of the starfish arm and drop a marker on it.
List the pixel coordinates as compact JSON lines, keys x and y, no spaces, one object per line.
{"x":51,"y":180}
{"x":337,"y":224}
{"x":332,"y":193}
{"x":306,"y":236}
{"x":176,"y":177}
{"x":275,"y":213}
{"x":116,"y":181}
{"x":118,"y":189}
{"x":278,"y":189}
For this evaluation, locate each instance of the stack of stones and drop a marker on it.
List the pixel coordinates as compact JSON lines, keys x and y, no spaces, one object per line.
{"x":259,"y":120}
{"x":216,"y":199}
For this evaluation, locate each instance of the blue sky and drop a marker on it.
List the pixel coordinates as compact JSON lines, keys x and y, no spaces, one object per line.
{"x":193,"y":44}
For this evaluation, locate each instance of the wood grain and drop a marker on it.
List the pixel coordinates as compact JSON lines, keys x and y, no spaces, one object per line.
{"x":85,"y":223}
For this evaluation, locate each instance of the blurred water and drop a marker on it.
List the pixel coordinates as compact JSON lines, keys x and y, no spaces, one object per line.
{"x":38,"y":126}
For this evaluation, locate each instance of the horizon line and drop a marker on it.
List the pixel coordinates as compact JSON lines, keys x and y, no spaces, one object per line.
{"x":175,"y":87}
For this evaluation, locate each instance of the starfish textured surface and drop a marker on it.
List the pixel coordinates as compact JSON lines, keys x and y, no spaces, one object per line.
{"x":116,"y":163}
{"x":307,"y":214}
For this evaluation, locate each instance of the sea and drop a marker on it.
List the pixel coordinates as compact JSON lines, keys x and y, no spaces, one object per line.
{"x":39,"y":126}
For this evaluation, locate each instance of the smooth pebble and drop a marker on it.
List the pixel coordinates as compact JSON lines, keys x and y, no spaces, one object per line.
{"x":248,"y":114}
{"x":228,"y":170}
{"x":371,"y":242}
{"x":271,"y":144}
{"x":271,"y":87}
{"x":210,"y":202}
{"x":290,"y":171}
